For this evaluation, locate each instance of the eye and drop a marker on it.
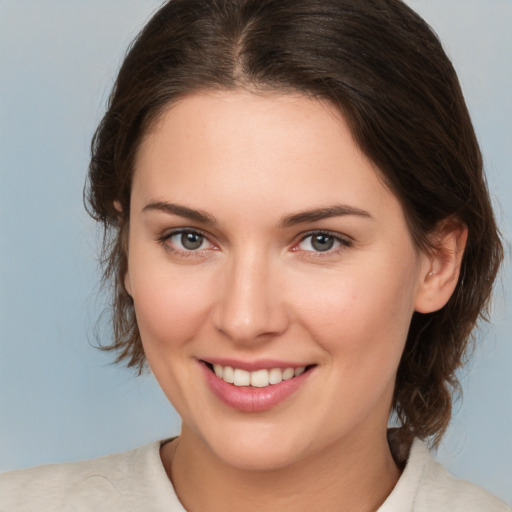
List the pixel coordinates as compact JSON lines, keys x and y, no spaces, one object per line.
{"x":189,"y":240}
{"x":186,"y":241}
{"x":322,"y":242}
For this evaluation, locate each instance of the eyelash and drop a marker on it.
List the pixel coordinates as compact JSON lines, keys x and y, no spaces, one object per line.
{"x":164,"y":241}
{"x":344,"y":243}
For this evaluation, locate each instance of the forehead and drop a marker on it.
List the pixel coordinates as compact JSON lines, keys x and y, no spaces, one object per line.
{"x":270,"y":149}
{"x":227,"y":121}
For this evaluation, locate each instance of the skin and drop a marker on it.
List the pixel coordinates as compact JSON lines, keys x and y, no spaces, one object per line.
{"x":258,"y":289}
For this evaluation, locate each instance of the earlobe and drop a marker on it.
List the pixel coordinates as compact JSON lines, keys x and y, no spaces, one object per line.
{"x":124,"y":234}
{"x":119,"y":211}
{"x":127,"y":284}
{"x":438,"y":281}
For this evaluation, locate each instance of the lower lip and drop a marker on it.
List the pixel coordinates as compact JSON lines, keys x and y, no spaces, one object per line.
{"x":251,"y":399}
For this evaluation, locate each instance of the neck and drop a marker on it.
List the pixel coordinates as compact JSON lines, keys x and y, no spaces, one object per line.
{"x":355,"y":475}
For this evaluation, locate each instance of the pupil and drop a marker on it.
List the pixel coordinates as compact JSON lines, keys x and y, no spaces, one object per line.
{"x":191,"y":241}
{"x":322,"y":242}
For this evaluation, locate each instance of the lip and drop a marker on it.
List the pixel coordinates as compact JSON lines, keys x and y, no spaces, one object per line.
{"x":252,"y":399}
{"x":252,"y":366}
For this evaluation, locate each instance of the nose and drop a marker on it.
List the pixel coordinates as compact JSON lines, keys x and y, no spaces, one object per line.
{"x":250,"y":308}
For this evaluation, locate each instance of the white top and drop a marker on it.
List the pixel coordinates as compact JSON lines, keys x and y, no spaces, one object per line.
{"x":136,"y":481}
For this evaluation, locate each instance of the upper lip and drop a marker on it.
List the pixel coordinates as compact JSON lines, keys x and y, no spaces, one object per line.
{"x":251,"y":366}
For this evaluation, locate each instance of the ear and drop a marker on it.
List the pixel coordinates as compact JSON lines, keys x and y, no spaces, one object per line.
{"x":441,"y":269}
{"x":126,"y":281}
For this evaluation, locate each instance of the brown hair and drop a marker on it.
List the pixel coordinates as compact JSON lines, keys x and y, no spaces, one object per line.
{"x":385,"y":69}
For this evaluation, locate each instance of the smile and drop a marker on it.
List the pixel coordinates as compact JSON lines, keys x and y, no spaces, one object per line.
{"x":259,"y":378}
{"x":254,"y":390}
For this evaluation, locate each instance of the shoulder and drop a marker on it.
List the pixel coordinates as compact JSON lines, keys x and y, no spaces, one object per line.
{"x":441,"y":489}
{"x":122,"y":481}
{"x":425,"y":485}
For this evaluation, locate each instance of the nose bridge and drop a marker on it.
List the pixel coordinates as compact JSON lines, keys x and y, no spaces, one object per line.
{"x":249,"y":308}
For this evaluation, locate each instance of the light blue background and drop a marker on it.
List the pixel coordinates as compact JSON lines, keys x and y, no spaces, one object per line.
{"x":60,"y":399}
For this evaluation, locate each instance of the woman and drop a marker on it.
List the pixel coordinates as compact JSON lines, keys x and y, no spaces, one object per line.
{"x":301,"y":242}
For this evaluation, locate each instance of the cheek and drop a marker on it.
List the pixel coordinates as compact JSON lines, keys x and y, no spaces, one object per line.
{"x":362,"y":314}
{"x":170,"y":307}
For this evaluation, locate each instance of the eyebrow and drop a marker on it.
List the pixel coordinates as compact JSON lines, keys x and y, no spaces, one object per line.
{"x":313,"y":215}
{"x":182,"y":211}
{"x":321,"y":214}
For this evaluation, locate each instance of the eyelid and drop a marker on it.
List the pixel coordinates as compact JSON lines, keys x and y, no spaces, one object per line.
{"x":344,"y":240}
{"x":335,"y":234}
{"x":168,"y":234}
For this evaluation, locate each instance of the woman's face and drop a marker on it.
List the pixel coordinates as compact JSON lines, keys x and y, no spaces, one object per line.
{"x":262,"y":240}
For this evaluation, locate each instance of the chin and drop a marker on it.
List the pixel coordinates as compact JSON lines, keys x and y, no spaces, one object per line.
{"x":263,"y":447}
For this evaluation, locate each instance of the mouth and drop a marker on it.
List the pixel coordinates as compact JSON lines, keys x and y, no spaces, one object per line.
{"x":261,"y":378}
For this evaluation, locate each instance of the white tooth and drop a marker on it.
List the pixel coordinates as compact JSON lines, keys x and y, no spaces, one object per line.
{"x":228,"y":374}
{"x":275,"y":376}
{"x":299,"y":371}
{"x":217,"y":368}
{"x":288,"y":374}
{"x":241,"y":378}
{"x":259,"y":378}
